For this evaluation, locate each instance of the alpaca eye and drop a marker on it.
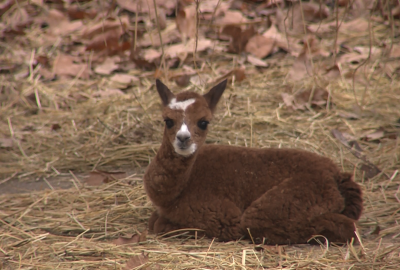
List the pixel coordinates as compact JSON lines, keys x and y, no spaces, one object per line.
{"x":169,"y":123}
{"x":202,"y":124}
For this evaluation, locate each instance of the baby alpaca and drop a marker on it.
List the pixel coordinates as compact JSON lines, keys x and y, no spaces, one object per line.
{"x":284,"y":195}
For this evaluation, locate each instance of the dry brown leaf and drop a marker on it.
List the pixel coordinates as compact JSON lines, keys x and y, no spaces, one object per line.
{"x":97,"y":178}
{"x":238,"y":74}
{"x":109,"y":42}
{"x":370,"y":170}
{"x":92,"y":30}
{"x":379,"y":134}
{"x":146,"y":6}
{"x":301,"y":68}
{"x":109,"y":92}
{"x":134,"y":239}
{"x":182,"y":80}
{"x":108,"y":66}
{"x":64,"y":65}
{"x":212,"y":9}
{"x":59,"y":23}
{"x":256,"y":61}
{"x":358,"y":26}
{"x":300,"y":100}
{"x":153,"y":39}
{"x":239,"y":37}
{"x":333,"y":73}
{"x":6,"y":142}
{"x":288,"y":44}
{"x":162,"y":19}
{"x":231,"y":17}
{"x":19,"y":19}
{"x":395,"y":51}
{"x":6,"y":5}
{"x":177,"y":49}
{"x":137,"y":57}
{"x":186,"y":21}
{"x":122,"y":81}
{"x":76,"y":13}
{"x":260,"y":46}
{"x":292,"y":21}
{"x":136,"y":261}
{"x":322,"y":28}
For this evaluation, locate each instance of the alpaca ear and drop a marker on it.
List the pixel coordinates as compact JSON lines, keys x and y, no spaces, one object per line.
{"x":213,"y":96}
{"x":164,"y":93}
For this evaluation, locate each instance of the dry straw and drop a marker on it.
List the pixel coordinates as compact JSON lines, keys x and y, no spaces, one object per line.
{"x":74,"y":228}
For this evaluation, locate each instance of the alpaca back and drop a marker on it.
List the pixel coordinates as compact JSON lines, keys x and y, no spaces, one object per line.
{"x":244,"y":174}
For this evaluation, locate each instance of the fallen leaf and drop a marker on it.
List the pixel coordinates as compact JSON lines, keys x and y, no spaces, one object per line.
{"x":300,"y":100}
{"x":292,"y":21}
{"x":107,"y":93}
{"x":168,"y":36}
{"x":212,"y":9}
{"x":174,"y":50}
{"x":59,"y":24}
{"x":379,"y":134}
{"x":76,"y":13}
{"x":186,"y":21}
{"x":231,"y":17}
{"x":134,"y":239}
{"x":122,"y":81}
{"x":182,"y":80}
{"x":64,"y":65}
{"x":6,"y":143}
{"x":162,"y":19}
{"x":358,"y":26}
{"x":137,"y":57}
{"x":97,"y":178}
{"x":5,"y":6}
{"x":19,"y":19}
{"x":109,"y":42}
{"x":333,"y":73}
{"x":288,"y":44}
{"x":92,"y":30}
{"x":349,"y":115}
{"x":370,"y":170}
{"x":301,"y":68}
{"x":55,"y":127}
{"x":239,"y":37}
{"x":376,"y":230}
{"x":238,"y":74}
{"x":260,"y":46}
{"x":256,"y":61}
{"x":108,"y":66}
{"x":395,"y":51}
{"x":136,"y":261}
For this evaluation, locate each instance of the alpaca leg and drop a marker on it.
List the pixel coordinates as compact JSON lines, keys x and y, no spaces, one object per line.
{"x":335,"y":227}
{"x":159,"y":224}
{"x":282,"y":215}
{"x":153,"y":218}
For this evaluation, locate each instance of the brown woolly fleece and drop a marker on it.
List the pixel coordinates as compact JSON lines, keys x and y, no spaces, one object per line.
{"x":284,"y":195}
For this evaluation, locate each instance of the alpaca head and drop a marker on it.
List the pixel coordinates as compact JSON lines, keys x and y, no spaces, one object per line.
{"x":186,"y":116}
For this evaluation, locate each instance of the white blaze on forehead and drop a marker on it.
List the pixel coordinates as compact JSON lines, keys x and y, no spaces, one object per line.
{"x":180,"y":105}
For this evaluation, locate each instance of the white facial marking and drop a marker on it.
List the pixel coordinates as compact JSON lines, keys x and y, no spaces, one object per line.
{"x":180,"y":105}
{"x":184,"y":131}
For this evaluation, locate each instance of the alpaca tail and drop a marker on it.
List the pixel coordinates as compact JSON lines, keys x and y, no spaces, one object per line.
{"x":352,"y":194}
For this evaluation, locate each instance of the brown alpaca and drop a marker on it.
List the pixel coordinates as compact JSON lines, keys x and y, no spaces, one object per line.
{"x":284,"y":195}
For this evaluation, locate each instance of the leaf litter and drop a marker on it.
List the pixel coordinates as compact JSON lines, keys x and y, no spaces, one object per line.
{"x":83,"y":78}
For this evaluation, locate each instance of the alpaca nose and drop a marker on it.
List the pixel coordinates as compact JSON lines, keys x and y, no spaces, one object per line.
{"x":183,"y":137}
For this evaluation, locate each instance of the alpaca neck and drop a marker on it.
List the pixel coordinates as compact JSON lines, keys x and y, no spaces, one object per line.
{"x":167,"y":175}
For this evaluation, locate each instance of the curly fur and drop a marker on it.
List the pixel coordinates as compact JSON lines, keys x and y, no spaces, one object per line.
{"x":283,"y":195}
